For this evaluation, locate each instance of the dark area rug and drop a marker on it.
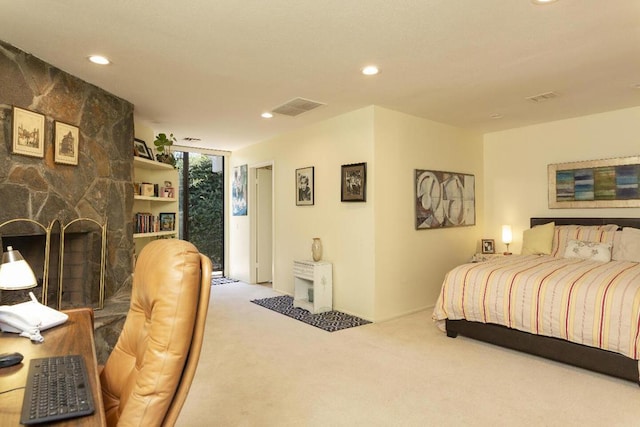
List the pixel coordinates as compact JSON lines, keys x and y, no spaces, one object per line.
{"x":222,"y":280}
{"x":329,"y":321}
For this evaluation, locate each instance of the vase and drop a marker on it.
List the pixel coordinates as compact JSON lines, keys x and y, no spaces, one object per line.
{"x":316,"y":249}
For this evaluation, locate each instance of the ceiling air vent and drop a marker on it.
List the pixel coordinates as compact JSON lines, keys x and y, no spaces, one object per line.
{"x":296,"y":106}
{"x":543,"y":97}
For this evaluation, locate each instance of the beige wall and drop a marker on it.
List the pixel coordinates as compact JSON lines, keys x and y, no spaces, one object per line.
{"x":515,"y":163}
{"x":383,"y":267}
{"x":345,"y":228}
{"x":411,"y":264}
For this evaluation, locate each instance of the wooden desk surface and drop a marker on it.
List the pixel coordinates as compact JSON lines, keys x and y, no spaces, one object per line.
{"x":75,"y":336}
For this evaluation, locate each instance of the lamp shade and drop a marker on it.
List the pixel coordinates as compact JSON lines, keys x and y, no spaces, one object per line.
{"x":15,"y":272}
{"x":507,"y":236}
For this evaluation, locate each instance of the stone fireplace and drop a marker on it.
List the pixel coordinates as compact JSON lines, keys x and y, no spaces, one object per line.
{"x":99,"y":187}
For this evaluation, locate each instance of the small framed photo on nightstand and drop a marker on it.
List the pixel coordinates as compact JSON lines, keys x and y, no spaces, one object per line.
{"x":488,"y":246}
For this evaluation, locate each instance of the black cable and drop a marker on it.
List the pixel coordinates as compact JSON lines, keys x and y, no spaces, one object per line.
{"x":12,"y":389}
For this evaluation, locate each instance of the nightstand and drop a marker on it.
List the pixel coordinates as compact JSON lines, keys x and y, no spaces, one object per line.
{"x":480,"y":257}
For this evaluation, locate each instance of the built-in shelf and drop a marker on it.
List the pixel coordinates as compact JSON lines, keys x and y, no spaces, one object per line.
{"x":155,"y":199}
{"x":156,"y":173}
{"x":154,"y":234}
{"x":142,"y":163}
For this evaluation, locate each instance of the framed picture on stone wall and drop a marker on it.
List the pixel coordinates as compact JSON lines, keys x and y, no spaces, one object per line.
{"x":67,"y":138}
{"x":28,"y":133}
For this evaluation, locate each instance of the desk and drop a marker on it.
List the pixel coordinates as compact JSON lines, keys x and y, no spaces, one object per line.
{"x":75,"y":336}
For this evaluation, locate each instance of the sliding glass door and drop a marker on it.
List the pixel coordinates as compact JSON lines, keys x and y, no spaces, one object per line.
{"x":202,"y":204}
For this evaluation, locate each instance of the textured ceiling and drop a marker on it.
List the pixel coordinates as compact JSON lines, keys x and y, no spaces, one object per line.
{"x":208,"y":69}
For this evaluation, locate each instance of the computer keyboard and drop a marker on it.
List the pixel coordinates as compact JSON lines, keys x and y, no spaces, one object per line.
{"x":57,"y":388}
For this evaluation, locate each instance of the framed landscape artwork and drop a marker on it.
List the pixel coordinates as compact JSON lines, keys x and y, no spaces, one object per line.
{"x":28,"y":133}
{"x":606,"y":183}
{"x":444,"y":199}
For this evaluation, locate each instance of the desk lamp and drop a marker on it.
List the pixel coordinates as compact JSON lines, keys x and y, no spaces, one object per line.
{"x":15,"y":272}
{"x":507,"y":237}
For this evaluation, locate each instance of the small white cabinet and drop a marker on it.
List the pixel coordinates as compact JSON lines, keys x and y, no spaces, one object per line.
{"x":313,"y":286}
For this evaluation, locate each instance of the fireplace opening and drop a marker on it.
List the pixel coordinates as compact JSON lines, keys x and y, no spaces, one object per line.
{"x":80,"y":268}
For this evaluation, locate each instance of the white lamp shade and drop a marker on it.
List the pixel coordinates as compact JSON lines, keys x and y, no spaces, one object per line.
{"x":15,"y":272}
{"x":507,"y":236}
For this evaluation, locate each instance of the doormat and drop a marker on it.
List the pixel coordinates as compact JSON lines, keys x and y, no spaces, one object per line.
{"x":329,"y":321}
{"x":222,"y":280}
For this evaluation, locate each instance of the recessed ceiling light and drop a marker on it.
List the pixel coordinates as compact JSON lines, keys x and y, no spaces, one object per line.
{"x":370,"y":70}
{"x":100,"y":60}
{"x":266,"y":115}
{"x":542,"y":1}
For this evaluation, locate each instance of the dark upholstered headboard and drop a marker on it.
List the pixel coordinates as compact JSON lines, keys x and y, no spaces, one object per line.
{"x":622,"y":222}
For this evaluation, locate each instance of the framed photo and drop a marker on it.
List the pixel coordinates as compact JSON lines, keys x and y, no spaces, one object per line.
{"x":444,"y":199}
{"x":353,"y":180}
{"x":140,"y":149}
{"x":167,"y":221}
{"x":67,"y":139}
{"x":168,"y":192}
{"x":28,"y":133}
{"x":488,"y":246}
{"x":304,"y":186}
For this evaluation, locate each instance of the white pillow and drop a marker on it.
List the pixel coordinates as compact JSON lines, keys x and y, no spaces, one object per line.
{"x":627,"y":248}
{"x":588,"y":250}
{"x":538,"y":240}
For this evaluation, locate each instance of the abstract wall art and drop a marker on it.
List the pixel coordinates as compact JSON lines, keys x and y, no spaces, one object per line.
{"x":606,"y":183}
{"x":444,"y":199}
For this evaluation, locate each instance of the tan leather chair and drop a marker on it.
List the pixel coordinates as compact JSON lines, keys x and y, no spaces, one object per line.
{"x":148,"y":374}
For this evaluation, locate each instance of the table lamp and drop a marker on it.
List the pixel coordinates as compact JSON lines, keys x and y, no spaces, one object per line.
{"x":15,"y":272}
{"x":507,"y":237}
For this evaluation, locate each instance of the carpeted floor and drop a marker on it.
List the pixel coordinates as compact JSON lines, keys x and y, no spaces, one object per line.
{"x":329,"y":321}
{"x":222,"y":280}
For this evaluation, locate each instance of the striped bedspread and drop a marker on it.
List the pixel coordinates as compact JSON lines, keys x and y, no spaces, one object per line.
{"x":587,"y":302}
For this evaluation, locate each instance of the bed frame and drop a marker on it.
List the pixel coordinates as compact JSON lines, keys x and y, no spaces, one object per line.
{"x":582,"y":356}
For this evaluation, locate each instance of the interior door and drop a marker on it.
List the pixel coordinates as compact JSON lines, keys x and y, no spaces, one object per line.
{"x":264,"y":200}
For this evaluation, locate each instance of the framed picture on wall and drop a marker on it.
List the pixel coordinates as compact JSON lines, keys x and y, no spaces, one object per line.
{"x":353,"y":179}
{"x":67,"y":139}
{"x":239,"y":191}
{"x":28,"y":133}
{"x":304,"y":186}
{"x":444,"y":199}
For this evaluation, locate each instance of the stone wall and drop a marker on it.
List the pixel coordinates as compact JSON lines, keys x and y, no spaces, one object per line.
{"x":99,"y":187}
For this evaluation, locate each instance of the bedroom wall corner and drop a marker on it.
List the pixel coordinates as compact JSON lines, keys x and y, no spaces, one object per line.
{"x":411,"y":264}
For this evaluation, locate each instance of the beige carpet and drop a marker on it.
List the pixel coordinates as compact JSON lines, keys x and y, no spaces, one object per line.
{"x":260,"y":368}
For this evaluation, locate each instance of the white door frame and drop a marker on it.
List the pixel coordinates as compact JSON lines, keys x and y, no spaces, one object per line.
{"x":252,"y":220}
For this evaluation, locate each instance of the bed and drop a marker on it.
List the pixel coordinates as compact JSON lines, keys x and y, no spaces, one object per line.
{"x":559,"y":303}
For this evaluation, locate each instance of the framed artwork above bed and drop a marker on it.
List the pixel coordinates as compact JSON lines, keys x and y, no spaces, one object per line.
{"x":605,"y":183}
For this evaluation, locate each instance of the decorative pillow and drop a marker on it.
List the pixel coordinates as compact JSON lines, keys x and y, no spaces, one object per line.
{"x":588,"y":250}
{"x":586,"y":233}
{"x":538,"y":240}
{"x":627,"y":247}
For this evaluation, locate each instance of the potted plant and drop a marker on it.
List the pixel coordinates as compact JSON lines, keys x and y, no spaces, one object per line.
{"x":163,"y":145}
